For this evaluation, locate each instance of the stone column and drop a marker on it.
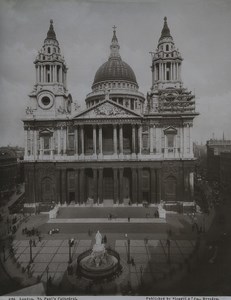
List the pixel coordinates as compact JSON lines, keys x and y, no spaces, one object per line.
{"x":115,"y":186}
{"x":165,"y":146}
{"x":133,"y":140}
{"x":153,"y":74}
{"x":140,"y":139}
{"x":95,"y":185}
{"x":58,"y":185}
{"x":121,"y":139}
{"x":153,"y":185}
{"x":64,"y":140}
{"x":25,"y":144}
{"x":35,"y":145}
{"x":82,"y":185}
{"x":177,"y":77}
{"x":140,"y":186}
{"x":158,"y":185}
{"x":151,"y":138}
{"x":134,"y":185}
{"x":41,"y":147}
{"x":190,"y":141}
{"x":174,"y":71}
{"x":158,"y":140}
{"x":165,"y":71}
{"x":94,"y":140}
{"x":100,"y":185}
{"x":100,"y":142}
{"x":82,"y":140}
{"x":76,"y":142}
{"x":64,"y":186}
{"x":76,"y":186}
{"x":185,"y":128}
{"x":59,"y":141}
{"x":115,"y":138}
{"x":52,"y":147}
{"x":121,"y":188}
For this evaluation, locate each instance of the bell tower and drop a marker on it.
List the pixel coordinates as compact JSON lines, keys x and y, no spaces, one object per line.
{"x":50,"y":97}
{"x":167,"y":93}
{"x":166,"y":62}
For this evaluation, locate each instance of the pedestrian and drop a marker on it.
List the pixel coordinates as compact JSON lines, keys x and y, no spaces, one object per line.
{"x":132,"y":261}
{"x":39,"y":238}
{"x":34,"y":245}
{"x":146,"y":240}
{"x":128,"y":219}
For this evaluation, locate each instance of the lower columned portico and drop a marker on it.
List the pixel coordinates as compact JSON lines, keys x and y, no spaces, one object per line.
{"x":108,"y":186}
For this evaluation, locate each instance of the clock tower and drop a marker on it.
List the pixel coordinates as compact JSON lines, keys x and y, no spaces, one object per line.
{"x":49,"y":98}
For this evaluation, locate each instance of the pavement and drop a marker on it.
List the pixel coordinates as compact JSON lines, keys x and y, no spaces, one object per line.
{"x":147,"y":247}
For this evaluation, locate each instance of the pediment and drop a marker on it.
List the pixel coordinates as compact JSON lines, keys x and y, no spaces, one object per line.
{"x":170,"y":130}
{"x":107,"y":109}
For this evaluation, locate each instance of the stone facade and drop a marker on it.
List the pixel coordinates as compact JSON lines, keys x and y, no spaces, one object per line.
{"x":123,"y":149}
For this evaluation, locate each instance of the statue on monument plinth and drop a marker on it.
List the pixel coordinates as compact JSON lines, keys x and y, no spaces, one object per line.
{"x":98,"y":238}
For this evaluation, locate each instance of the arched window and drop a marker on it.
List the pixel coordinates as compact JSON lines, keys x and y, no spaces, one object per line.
{"x":49,"y":50}
{"x":167,"y":47}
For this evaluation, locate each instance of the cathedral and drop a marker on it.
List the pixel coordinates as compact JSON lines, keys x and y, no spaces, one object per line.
{"x":124,"y":148}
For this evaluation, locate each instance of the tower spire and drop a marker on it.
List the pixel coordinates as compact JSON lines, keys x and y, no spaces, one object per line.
{"x":51,"y":32}
{"x":165,"y":31}
{"x":114,"y":45}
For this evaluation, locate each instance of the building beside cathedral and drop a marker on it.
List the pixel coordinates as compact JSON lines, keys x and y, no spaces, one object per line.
{"x":124,"y":148}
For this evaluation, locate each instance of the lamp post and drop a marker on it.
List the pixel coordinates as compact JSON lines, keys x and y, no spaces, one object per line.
{"x":70,"y":243}
{"x":168,"y":246}
{"x":141,"y":275}
{"x":30,"y":243}
{"x":128,"y":240}
{"x":47,"y":270}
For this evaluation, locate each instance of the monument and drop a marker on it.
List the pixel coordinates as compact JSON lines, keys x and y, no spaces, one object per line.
{"x":98,"y":262}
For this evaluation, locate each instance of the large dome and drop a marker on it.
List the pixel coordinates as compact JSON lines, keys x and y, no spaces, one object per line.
{"x":115,"y":69}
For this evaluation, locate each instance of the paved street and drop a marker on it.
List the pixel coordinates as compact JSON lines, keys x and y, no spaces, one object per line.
{"x":150,"y":259}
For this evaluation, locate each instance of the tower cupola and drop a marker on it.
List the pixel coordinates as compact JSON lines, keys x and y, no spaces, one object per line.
{"x":50,"y":97}
{"x":166,"y":61}
{"x":50,"y":64}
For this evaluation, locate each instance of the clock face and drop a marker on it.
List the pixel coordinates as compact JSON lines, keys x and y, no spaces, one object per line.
{"x":45,"y":101}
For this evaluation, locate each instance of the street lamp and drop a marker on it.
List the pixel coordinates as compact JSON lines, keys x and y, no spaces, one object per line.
{"x":30,"y":243}
{"x":141,"y":275}
{"x":47,"y":270}
{"x":168,"y":246}
{"x":128,"y":260}
{"x":70,"y":243}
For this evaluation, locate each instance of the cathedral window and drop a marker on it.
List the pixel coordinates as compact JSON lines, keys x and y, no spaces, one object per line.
{"x":132,"y":104}
{"x":71,"y":139}
{"x":168,"y":70}
{"x":167,"y":47}
{"x":58,"y":68}
{"x":49,"y":50}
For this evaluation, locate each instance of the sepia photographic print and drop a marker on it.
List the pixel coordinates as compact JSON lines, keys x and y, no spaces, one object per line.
{"x":115,"y":149}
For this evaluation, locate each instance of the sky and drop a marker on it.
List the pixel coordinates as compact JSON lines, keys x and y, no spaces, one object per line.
{"x":201,"y":30}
